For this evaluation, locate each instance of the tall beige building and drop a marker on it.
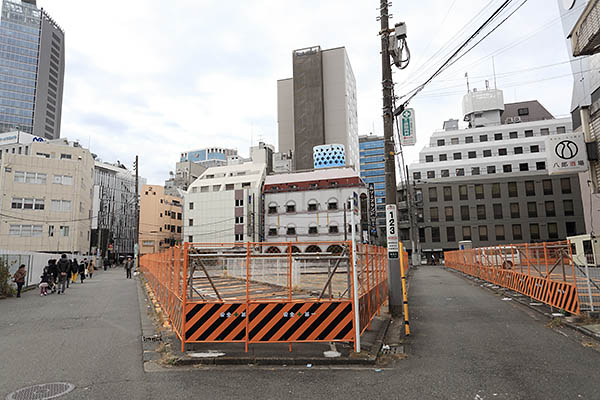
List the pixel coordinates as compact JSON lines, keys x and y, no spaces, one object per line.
{"x":161,"y":217}
{"x":46,"y":197}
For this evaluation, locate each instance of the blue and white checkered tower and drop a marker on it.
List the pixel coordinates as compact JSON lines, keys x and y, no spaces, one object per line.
{"x":329,"y":155}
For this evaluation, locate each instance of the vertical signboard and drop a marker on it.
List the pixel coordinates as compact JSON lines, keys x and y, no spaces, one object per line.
{"x":407,"y":125}
{"x":391,"y":224}
{"x":372,"y":210}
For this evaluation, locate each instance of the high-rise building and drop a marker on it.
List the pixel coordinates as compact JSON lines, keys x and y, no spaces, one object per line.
{"x":372,"y":171}
{"x":161,"y":217}
{"x":317,"y":106}
{"x":32,"y":66}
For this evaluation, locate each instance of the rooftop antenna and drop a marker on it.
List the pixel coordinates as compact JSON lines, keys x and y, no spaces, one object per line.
{"x":494,"y":68}
{"x":487,"y":85}
{"x":467,"y":76}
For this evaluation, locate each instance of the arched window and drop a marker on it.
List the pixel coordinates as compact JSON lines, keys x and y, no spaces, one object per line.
{"x":313,"y":249}
{"x":291,"y":230}
{"x":273,"y":250}
{"x":335,"y":249}
{"x":333,"y":228}
{"x":295,"y":249}
{"x":332,"y":204}
{"x":313,"y":205}
{"x":272,"y":209}
{"x":313,"y":229}
{"x":273,"y":231}
{"x":290,"y":207}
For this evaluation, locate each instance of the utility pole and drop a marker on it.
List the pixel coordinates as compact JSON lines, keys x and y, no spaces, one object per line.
{"x":394,"y":277}
{"x":137,"y":213}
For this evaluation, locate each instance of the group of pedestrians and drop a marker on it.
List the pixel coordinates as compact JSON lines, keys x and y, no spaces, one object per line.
{"x":57,"y":276}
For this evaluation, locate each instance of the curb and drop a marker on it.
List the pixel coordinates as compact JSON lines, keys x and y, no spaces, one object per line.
{"x":506,"y":292}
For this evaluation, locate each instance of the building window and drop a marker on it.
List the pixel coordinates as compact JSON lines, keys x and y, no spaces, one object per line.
{"x":491,"y":169}
{"x":497,"y":211}
{"x":333,"y":229}
{"x":239,"y":220}
{"x":443,"y":157}
{"x":463,"y":193}
{"x":499,"y":229}
{"x":61,"y":180}
{"x":513,"y":135}
{"x":421,"y":235}
{"x":534,"y":230}
{"x":64,"y":230}
{"x":565,"y":185}
{"x":480,"y":211}
{"x":457,"y":156}
{"x":51,"y":230}
{"x":313,"y":205}
{"x":487,"y":153}
{"x":191,"y":222}
{"x":560,"y":129}
{"x":534,"y":149}
{"x":466,"y":232}
{"x":528,"y":133}
{"x":272,"y":209}
{"x":190,"y":238}
{"x":445,"y":173}
{"x":502,"y":152}
{"x":60,"y":205}
{"x":515,"y":210}
{"x":449,"y":213}
{"x":290,"y":207}
{"x":472,"y":154}
{"x":435,"y":234}
{"x":460,"y":172}
{"x":547,"y":185}
{"x":516,"y":232}
{"x":450,"y":234}
{"x":497,"y":136}
{"x":468,"y":139}
{"x":523,"y":167}
{"x":518,"y":150}
{"x":291,"y":230}
{"x":479,"y":192}
{"x":532,"y":209}
{"x":571,"y":228}
{"x":483,"y":233}
{"x":416,"y":175}
{"x":239,"y":237}
{"x":434,"y":214}
{"x":246,"y":185}
{"x":179,"y":216}
{"x":430,"y":174}
{"x":530,"y":188}
{"x":454,"y":140}
{"x":544,"y":131}
{"x":496,"y":191}
{"x":273,"y":231}
{"x":191,"y":206}
{"x":441,"y":142}
{"x":550,"y":210}
{"x":313,"y":230}
{"x":447,"y":193}
{"x":568,"y":208}
{"x":523,"y":111}
{"x":552,"y":230}
{"x":433,"y":194}
{"x":429,"y":158}
{"x":474,"y":170}
{"x":464,"y":213}
{"x":25,"y":230}
{"x":507,"y":168}
{"x":513,"y":189}
{"x":483,"y":138}
{"x":332,"y":205}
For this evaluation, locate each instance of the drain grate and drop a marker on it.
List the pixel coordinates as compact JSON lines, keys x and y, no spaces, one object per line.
{"x":41,"y":392}
{"x":392,"y":350}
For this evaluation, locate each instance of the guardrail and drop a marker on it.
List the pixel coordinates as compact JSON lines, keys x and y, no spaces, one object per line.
{"x":543,"y":271}
{"x":285,"y":292}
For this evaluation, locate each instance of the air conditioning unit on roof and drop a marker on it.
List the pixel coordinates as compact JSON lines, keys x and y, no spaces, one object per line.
{"x":516,"y":119}
{"x":509,"y":120}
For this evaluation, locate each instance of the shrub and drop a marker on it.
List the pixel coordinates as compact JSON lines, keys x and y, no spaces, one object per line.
{"x":6,"y":289}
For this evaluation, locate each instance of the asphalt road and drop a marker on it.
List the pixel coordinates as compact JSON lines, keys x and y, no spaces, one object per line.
{"x":467,"y":344}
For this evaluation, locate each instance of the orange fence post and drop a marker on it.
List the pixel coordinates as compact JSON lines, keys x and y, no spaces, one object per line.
{"x":368,"y":288}
{"x":247,"y":294}
{"x":546,"y":261}
{"x":186,"y":247}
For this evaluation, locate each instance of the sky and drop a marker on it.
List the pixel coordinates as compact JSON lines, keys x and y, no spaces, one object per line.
{"x":157,"y":78}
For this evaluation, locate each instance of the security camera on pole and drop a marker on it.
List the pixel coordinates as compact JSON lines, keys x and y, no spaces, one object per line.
{"x":393,"y":44}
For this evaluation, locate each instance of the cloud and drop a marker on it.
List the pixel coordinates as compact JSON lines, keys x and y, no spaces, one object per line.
{"x":157,"y":78}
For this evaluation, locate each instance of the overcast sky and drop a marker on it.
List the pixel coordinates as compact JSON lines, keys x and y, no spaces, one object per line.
{"x":157,"y":78}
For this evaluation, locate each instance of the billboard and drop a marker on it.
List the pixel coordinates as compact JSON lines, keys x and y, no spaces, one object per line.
{"x":566,"y":154}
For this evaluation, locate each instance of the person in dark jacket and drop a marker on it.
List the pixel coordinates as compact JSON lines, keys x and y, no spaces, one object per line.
{"x":81,"y":270}
{"x":74,"y":270}
{"x":44,"y":282}
{"x":53,"y":271}
{"x":64,"y":268}
{"x":19,"y":278}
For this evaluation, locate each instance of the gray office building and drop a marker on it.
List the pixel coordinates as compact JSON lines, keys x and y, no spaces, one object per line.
{"x":32,"y":66}
{"x":490,"y":183}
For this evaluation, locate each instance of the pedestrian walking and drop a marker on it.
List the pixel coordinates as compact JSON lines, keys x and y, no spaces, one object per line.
{"x":19,"y":278}
{"x":53,"y":271}
{"x":64,"y":269}
{"x":45,"y":282}
{"x":82,"y":268}
{"x":128,"y":267}
{"x":91,"y":268}
{"x":74,"y":270}
{"x":104,"y":263}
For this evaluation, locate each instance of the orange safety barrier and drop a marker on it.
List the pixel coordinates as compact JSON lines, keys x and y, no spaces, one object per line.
{"x":542,"y":271}
{"x":267,"y":292}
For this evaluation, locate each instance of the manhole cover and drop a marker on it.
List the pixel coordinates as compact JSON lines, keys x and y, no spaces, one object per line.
{"x":41,"y":392}
{"x":392,"y":350}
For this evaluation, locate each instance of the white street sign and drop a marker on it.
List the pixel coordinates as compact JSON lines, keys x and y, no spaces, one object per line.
{"x":566,"y":153}
{"x":408,"y":134}
{"x":391,"y":224}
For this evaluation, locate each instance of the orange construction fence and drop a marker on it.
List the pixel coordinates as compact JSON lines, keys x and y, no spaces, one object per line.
{"x":285,"y":292}
{"x":542,"y":271}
